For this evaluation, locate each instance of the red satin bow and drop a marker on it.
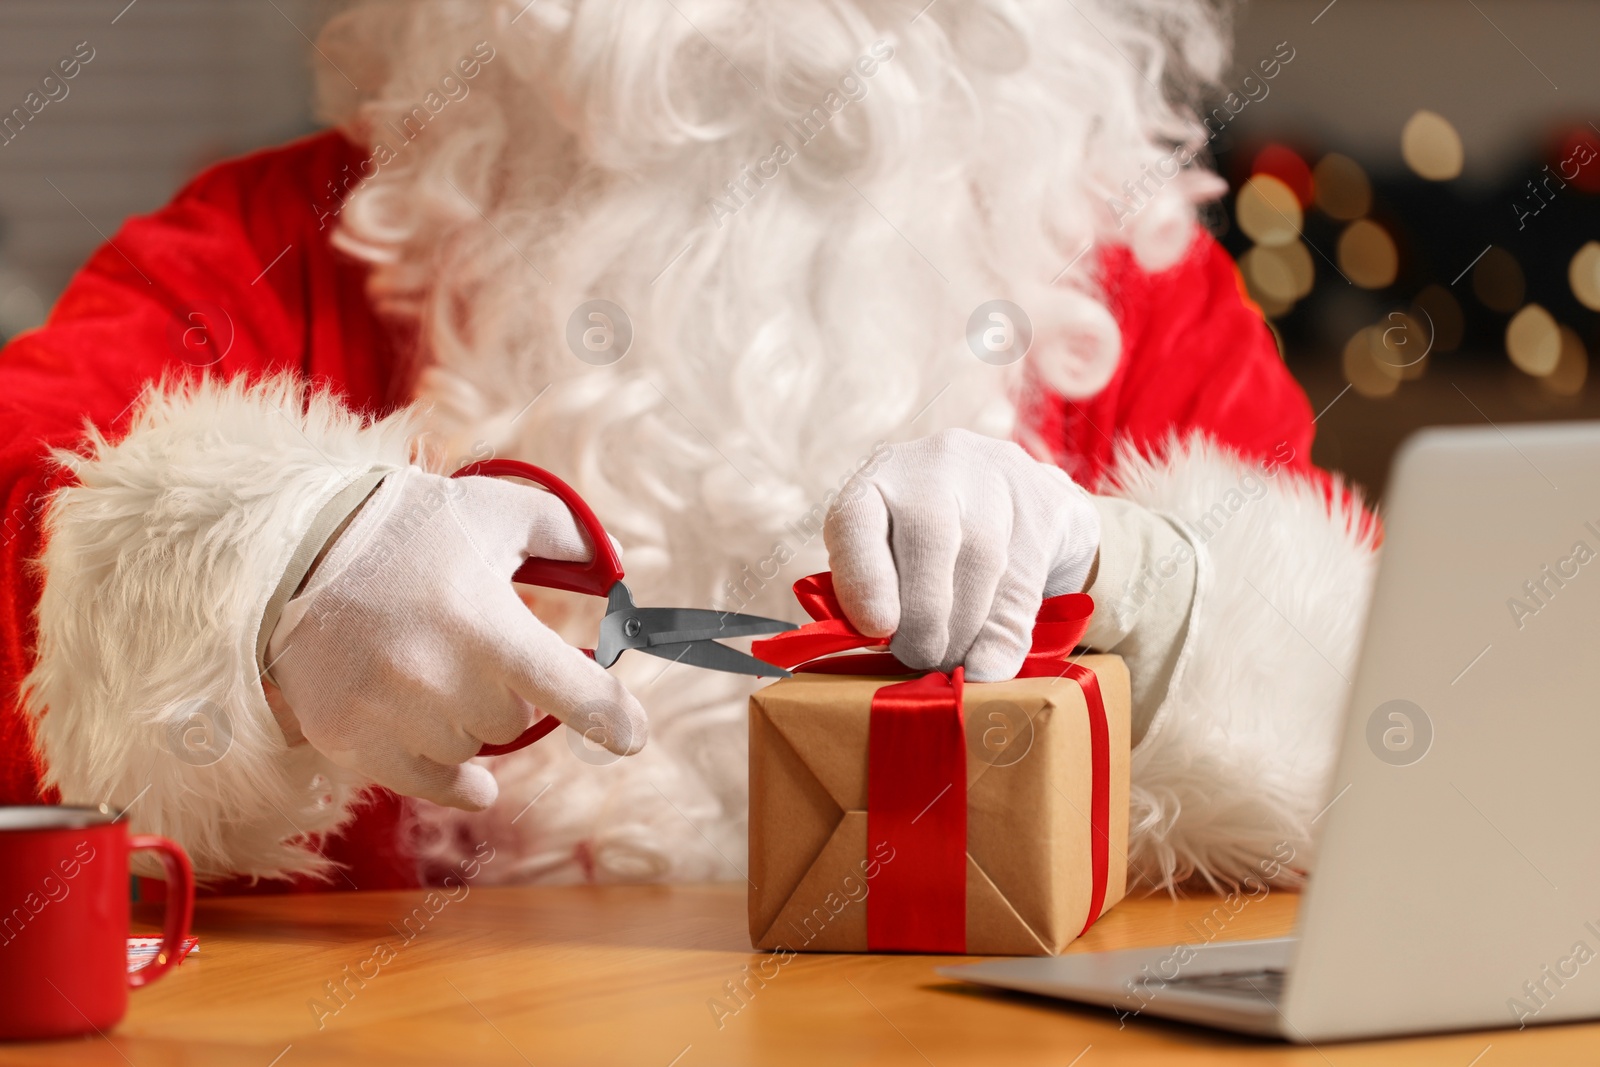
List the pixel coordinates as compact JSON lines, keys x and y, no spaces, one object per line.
{"x":916,"y":764}
{"x":1060,"y":626}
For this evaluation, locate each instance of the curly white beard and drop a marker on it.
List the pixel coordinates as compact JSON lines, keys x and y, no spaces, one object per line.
{"x":774,"y":346}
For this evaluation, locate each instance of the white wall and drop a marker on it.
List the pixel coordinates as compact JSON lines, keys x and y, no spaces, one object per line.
{"x":1365,"y":66}
{"x":177,"y":83}
{"x":174,"y":84}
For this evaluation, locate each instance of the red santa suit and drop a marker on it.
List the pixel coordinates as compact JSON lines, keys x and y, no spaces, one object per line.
{"x":239,"y":262}
{"x":176,"y":349}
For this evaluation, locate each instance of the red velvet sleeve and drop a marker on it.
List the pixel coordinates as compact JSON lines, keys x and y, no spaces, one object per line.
{"x":235,"y":276}
{"x":1197,"y":356}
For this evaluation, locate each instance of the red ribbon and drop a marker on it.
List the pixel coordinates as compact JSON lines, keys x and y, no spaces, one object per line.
{"x":917,"y":766}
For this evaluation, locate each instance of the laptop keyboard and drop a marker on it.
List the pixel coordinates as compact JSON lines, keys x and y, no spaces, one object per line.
{"x":1267,"y":983}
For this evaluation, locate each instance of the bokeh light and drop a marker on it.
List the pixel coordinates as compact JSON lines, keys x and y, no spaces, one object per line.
{"x":1435,"y":305}
{"x":1576,"y":158}
{"x":1270,"y":308}
{"x":1268,"y":211}
{"x":1343,"y":191}
{"x":1271,"y":305}
{"x":1285,"y":164}
{"x":1282,"y":274}
{"x":1431,"y":146}
{"x":1533,"y":341}
{"x":1583,"y":273}
{"x":1571,"y":369}
{"x":1298,"y":259}
{"x":1366,"y":373}
{"x":1402,"y":345}
{"x":1497,"y":280}
{"x":1367,"y":254}
{"x":1268,"y":275}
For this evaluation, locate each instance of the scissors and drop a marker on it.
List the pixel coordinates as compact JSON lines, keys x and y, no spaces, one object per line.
{"x":682,"y":635}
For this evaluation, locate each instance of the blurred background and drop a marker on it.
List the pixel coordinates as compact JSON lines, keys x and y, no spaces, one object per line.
{"x":1416,"y":209}
{"x":1415,"y":199}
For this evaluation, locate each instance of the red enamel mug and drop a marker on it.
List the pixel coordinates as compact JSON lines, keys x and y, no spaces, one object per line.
{"x":64,"y":919}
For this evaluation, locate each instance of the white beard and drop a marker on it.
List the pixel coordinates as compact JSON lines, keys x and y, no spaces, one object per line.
{"x":774,"y":348}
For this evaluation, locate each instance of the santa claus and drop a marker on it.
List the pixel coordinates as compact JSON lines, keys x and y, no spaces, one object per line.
{"x":930,"y":270}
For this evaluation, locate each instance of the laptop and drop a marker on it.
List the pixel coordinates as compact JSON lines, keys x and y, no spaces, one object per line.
{"x":1458,"y":884}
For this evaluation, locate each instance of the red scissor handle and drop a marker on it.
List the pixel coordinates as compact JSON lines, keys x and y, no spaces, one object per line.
{"x":599,"y":574}
{"x":595,"y":577}
{"x":524,"y":739}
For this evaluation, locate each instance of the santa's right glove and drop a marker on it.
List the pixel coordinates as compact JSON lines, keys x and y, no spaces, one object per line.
{"x":409,"y":649}
{"x":953,"y":541}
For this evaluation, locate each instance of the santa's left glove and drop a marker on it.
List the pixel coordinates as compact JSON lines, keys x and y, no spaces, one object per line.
{"x":409,"y":649}
{"x":951,"y":544}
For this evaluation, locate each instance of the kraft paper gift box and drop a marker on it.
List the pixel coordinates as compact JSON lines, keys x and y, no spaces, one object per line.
{"x":1030,"y":839}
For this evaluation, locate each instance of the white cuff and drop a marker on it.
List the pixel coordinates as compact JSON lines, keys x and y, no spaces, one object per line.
{"x":1235,"y":763}
{"x":1142,"y":594}
{"x":324,"y":525}
{"x":159,"y":564}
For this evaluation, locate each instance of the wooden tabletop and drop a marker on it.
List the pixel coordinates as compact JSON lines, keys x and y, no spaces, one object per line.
{"x":628,"y":976}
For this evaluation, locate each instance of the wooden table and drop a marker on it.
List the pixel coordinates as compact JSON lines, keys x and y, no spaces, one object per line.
{"x":626,"y":976}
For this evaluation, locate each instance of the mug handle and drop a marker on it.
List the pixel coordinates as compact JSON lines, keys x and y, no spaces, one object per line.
{"x":180,"y":907}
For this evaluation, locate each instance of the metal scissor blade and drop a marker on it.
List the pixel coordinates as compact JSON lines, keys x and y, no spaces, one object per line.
{"x":628,"y":626}
{"x":671,"y":626}
{"x":714,"y":657}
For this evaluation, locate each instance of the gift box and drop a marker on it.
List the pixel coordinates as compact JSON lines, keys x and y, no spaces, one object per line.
{"x":892,"y":811}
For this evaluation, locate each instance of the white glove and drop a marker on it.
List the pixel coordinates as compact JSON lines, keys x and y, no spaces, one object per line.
{"x":951,"y":544}
{"x":409,"y":648}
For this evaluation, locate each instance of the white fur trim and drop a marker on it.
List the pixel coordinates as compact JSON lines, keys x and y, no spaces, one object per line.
{"x":996,"y":135}
{"x":157,"y":567}
{"x":1234,"y":767}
